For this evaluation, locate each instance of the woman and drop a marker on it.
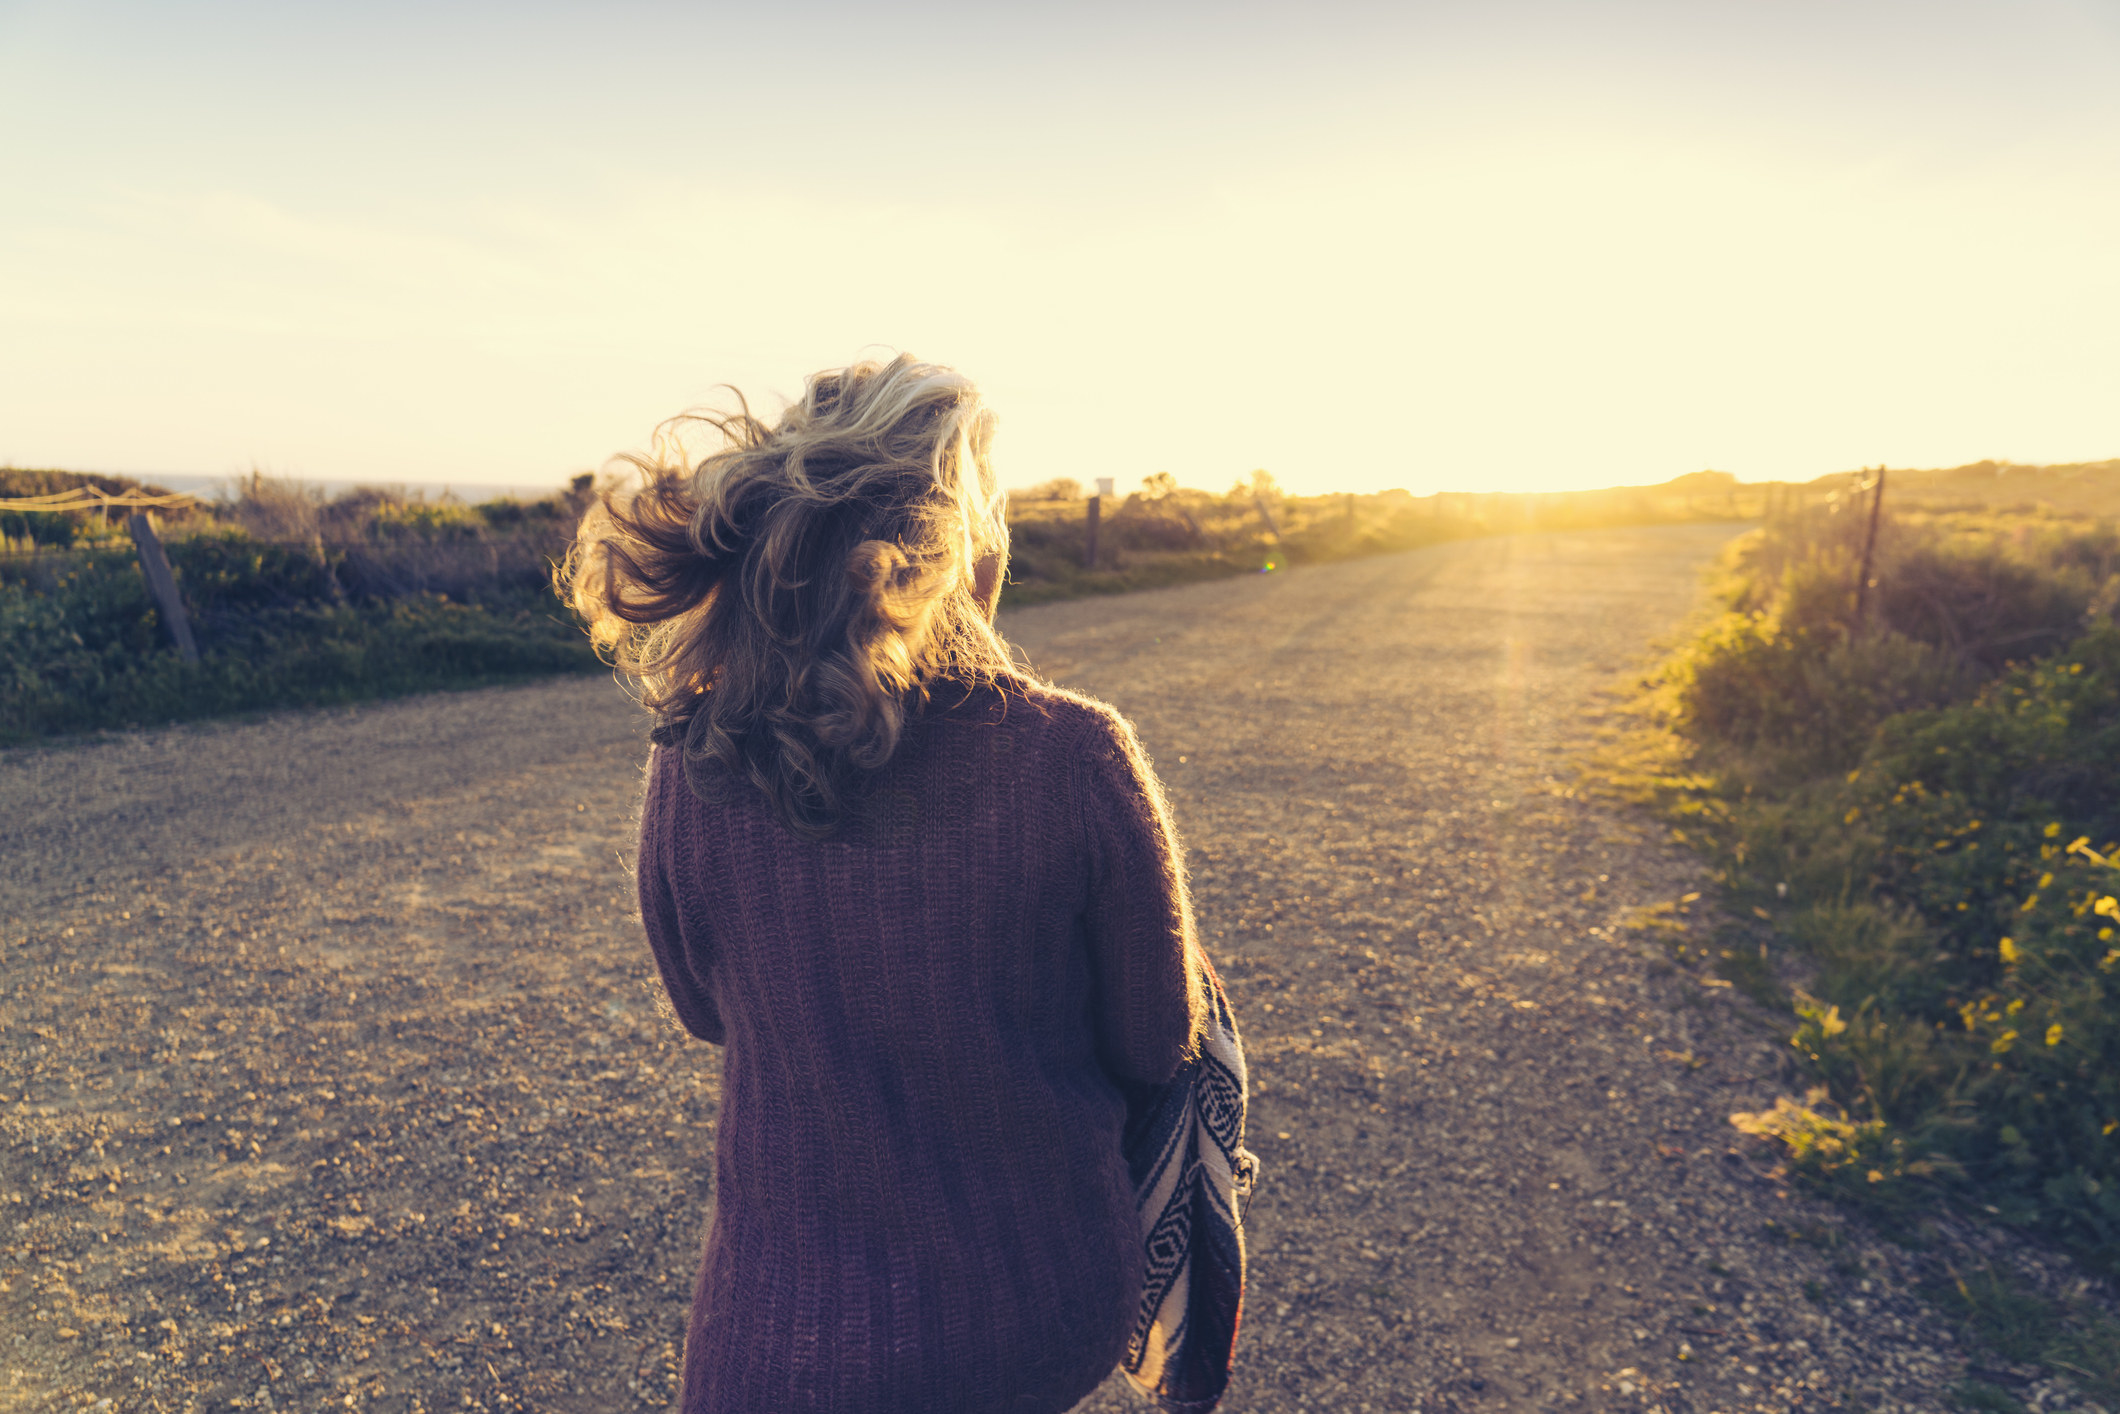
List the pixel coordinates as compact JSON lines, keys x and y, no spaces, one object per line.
{"x":932,"y":908}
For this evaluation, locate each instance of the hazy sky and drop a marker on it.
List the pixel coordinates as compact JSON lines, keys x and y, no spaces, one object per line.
{"x":1467,"y":246}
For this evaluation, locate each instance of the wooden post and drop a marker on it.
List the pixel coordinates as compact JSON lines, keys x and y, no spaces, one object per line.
{"x":331,"y":576}
{"x":155,"y":566}
{"x":1267,"y":516}
{"x":1869,"y":547}
{"x":1089,"y":552}
{"x":1191,"y":523}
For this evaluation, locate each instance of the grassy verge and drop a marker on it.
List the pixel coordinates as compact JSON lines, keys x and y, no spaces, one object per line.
{"x":300,"y":600}
{"x":93,"y":654}
{"x":1165,"y":534}
{"x":293,"y":600}
{"x":297,"y":599}
{"x":1914,"y":818}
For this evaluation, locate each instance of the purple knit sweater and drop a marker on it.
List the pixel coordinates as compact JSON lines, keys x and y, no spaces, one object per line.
{"x":920,"y":1199}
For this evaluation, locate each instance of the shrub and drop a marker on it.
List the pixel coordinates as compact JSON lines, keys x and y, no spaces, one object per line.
{"x":82,"y":645}
{"x":1788,"y":670}
{"x":1955,"y":903}
{"x":55,"y":679}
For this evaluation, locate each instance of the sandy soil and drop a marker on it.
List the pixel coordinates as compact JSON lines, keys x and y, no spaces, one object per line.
{"x":331,"y":1075}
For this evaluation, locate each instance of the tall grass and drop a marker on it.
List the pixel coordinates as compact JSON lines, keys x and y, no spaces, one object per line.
{"x":299,"y":598}
{"x":1167,"y":534}
{"x":294,"y":599}
{"x":1923,"y":803}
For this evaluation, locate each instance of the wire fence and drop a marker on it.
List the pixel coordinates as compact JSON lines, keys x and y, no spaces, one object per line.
{"x":81,"y":498}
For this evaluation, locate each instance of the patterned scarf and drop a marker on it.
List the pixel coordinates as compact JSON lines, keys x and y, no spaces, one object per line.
{"x":1192,"y":1180}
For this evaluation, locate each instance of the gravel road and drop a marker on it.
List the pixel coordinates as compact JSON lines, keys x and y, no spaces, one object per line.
{"x":331,"y":1074}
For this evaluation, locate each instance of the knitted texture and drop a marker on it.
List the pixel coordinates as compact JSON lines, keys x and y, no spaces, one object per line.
{"x":930,"y":1021}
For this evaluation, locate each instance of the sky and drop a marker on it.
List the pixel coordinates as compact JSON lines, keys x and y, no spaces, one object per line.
{"x":1463,"y":247}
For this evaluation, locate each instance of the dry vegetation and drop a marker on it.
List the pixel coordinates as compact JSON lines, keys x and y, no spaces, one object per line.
{"x":299,"y":599}
{"x":294,"y":599}
{"x":1168,"y":534}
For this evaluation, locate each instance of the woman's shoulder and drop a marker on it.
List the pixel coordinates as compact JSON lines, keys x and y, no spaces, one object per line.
{"x":1031,"y":708}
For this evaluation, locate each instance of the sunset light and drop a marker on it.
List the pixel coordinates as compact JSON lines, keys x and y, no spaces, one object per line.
{"x":1381,"y":706}
{"x":1526,"y":246}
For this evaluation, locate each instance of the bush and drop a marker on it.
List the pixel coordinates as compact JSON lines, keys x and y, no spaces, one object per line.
{"x":1788,"y":670}
{"x":1927,"y":807}
{"x":82,"y":645}
{"x":57,"y":678}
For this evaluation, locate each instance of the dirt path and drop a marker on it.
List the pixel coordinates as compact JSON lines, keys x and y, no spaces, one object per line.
{"x":329,"y":1071}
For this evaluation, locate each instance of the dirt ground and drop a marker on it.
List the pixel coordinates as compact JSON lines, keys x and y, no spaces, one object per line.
{"x":331,"y":1076}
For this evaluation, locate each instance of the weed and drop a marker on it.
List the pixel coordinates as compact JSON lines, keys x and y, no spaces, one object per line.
{"x":1997,"y":1316}
{"x":1984,"y":1398}
{"x":1917,"y":818}
{"x":371,"y":597}
{"x":1996,"y":1313}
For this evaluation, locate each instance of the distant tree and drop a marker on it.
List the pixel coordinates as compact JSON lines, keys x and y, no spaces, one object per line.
{"x":1161,"y":490}
{"x":1060,"y":488}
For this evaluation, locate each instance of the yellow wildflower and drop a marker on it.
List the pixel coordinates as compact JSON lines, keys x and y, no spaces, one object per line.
{"x":2008,"y":950}
{"x":2053,"y":1034}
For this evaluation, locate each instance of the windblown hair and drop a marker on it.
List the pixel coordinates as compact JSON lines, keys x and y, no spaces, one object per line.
{"x":784,"y":605}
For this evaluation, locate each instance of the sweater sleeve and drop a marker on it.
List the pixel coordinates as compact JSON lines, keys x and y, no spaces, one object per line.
{"x":1151,"y":994}
{"x":659,"y":910}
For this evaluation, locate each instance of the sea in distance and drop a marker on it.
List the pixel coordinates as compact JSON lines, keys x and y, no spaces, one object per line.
{"x":226,"y":488}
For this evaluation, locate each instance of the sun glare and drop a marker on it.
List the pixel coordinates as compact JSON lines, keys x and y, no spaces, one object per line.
{"x":1451,"y":264}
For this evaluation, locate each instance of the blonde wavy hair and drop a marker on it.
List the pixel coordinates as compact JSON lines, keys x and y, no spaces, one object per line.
{"x":786,"y":603}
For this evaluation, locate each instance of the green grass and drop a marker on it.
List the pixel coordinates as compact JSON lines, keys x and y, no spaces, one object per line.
{"x":1913,"y":816}
{"x":2001,"y":1320}
{"x":297,"y":600}
{"x":293,"y":601}
{"x":91,"y":653}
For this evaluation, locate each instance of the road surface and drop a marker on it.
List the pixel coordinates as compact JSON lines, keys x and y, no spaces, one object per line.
{"x":333,"y":1073}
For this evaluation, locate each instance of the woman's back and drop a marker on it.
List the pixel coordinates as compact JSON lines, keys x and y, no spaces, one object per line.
{"x":921,"y":1200}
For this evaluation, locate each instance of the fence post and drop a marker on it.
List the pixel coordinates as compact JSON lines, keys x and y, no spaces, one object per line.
{"x":1191,"y":523}
{"x":1089,"y":551}
{"x":1267,"y":516}
{"x":1869,"y":546}
{"x":155,"y":566}
{"x":331,"y":576}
